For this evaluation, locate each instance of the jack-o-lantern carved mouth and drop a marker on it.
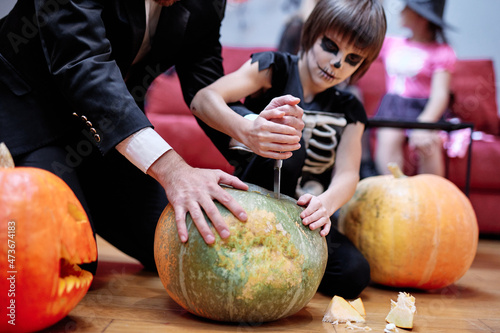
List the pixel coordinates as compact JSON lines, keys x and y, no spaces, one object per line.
{"x":71,"y":276}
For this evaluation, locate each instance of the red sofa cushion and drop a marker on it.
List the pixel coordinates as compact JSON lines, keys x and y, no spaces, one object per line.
{"x":164,"y":97}
{"x":485,"y":205}
{"x":234,"y":57}
{"x":484,"y":166}
{"x":372,"y":86}
{"x":473,"y":86}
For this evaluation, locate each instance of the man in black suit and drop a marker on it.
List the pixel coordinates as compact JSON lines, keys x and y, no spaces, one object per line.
{"x":73,"y":81}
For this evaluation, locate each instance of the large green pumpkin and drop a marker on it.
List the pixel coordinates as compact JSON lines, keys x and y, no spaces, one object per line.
{"x":269,"y":268}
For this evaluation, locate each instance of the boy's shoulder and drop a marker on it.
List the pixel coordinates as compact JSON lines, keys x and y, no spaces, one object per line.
{"x":283,"y":64}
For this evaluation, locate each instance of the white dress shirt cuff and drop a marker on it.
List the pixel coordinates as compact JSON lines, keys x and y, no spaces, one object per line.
{"x":143,"y":148}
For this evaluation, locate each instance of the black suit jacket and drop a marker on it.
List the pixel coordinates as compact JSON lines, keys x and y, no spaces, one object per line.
{"x":66,"y":66}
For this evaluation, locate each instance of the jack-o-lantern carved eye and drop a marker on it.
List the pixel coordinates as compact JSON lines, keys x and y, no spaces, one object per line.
{"x":76,"y":213}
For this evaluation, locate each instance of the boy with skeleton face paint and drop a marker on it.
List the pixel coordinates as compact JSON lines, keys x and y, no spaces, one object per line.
{"x":340,"y":40}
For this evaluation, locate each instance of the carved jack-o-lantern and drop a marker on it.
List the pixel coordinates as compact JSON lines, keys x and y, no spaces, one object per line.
{"x":44,"y":235}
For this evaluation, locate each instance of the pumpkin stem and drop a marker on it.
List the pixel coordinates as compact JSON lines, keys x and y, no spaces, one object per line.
{"x":395,"y":170}
{"x":6,"y":160}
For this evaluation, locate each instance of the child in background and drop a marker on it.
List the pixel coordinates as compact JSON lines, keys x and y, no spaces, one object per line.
{"x":418,"y":87}
{"x":340,"y":40}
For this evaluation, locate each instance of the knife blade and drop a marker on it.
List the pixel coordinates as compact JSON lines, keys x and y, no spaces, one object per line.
{"x":277,"y":178}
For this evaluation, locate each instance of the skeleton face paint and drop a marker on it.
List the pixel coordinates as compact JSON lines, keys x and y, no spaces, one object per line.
{"x":332,"y":60}
{"x":329,"y":45}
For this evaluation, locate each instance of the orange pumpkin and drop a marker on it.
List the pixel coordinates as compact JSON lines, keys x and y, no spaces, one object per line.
{"x":419,"y":232}
{"x":44,"y":235}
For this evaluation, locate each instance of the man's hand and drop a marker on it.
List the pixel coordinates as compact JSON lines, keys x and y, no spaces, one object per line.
{"x":277,"y":130}
{"x":194,"y":190}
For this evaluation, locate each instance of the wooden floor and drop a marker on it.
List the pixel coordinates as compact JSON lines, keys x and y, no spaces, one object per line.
{"x":123,"y":298}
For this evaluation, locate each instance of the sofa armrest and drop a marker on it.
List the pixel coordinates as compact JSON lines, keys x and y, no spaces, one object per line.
{"x":473,"y":89}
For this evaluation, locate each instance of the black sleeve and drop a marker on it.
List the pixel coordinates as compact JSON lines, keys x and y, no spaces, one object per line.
{"x":355,"y":111}
{"x":200,"y":62}
{"x":78,"y":56}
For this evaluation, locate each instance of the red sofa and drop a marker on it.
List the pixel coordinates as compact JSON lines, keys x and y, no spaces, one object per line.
{"x":474,"y":92}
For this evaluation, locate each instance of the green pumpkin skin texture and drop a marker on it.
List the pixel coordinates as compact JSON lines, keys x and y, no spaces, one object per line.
{"x":269,"y":268}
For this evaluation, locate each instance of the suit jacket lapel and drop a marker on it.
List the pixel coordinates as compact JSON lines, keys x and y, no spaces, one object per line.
{"x":125,"y":22}
{"x":136,"y":15}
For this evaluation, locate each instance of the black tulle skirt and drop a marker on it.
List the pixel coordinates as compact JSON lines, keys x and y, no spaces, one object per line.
{"x":395,"y":107}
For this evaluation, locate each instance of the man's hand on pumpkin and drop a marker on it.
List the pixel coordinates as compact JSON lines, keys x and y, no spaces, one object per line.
{"x":192,"y":190}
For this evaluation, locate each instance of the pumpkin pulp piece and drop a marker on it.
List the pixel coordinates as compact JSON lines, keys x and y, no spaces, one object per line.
{"x":402,"y":311}
{"x":339,"y":310}
{"x":358,"y":305}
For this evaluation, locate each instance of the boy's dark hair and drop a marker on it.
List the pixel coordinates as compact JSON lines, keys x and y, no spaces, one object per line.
{"x":361,"y":22}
